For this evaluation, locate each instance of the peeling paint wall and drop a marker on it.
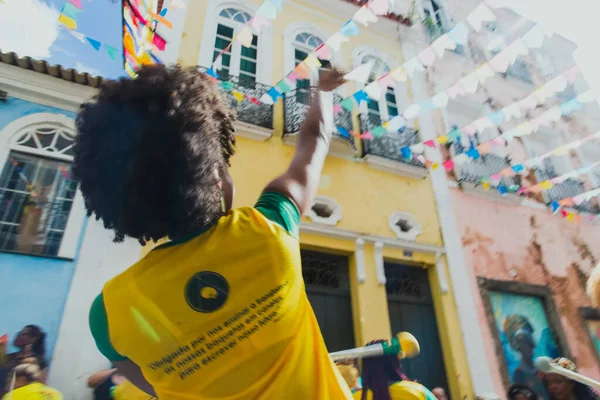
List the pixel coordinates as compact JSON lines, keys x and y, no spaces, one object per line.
{"x":520,"y":243}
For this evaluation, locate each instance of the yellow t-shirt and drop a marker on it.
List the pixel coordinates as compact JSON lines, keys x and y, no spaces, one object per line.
{"x":128,"y":391}
{"x":223,"y":315}
{"x":404,"y":390}
{"x":34,"y":391}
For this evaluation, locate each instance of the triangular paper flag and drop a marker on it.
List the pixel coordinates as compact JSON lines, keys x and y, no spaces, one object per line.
{"x":361,"y":73}
{"x":227,"y":85}
{"x":343,"y":131}
{"x":335,"y":41}
{"x":159,"y":42}
{"x":534,"y":39}
{"x":211,"y":72}
{"x":459,"y":34}
{"x":482,"y":123}
{"x":495,"y":43}
{"x":278,"y":4}
{"x":267,"y":10}
{"x":571,"y":73}
{"x":484,"y":72}
{"x":324,"y":52}
{"x":542,"y":94}
{"x":245,"y":36}
{"x":406,"y":152}
{"x":238,"y":96}
{"x":367,"y":136}
{"x":378,"y":132}
{"x":413,"y":65}
{"x":395,"y":124}
{"x":412,"y":111}
{"x":70,"y":11}
{"x":442,"y":139}
{"x":386,"y":81}
{"x":95,"y":44}
{"x":76,"y":3}
{"x":440,"y":100}
{"x":360,"y":96}
{"x":337,"y":108}
{"x":586,"y":97}
{"x":469,"y":130}
{"x":552,"y":115}
{"x":302,"y":71}
{"x":529,"y":103}
{"x":350,"y":29}
{"x":399,"y":74}
{"x":516,"y":49}
{"x":176,"y":4}
{"x":511,"y":111}
{"x":427,"y":57}
{"x":497,"y":118}
{"x":469,"y":83}
{"x":480,"y":15}
{"x":429,"y":143}
{"x":258,"y":22}
{"x":67,"y":21}
{"x":274,"y":93}
{"x":78,"y":36}
{"x":365,"y":16}
{"x":266,"y":99}
{"x":113,"y":53}
{"x":312,"y":62}
{"x":455,"y":90}
{"x":379,"y":7}
{"x":347,"y":104}
{"x":441,"y":44}
{"x":501,"y":61}
{"x":283,"y":86}
{"x":418,"y":148}
{"x":448,"y":165}
{"x":374,"y":91}
{"x":484,"y":148}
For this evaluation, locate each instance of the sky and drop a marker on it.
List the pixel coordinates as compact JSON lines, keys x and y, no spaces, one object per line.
{"x":40,"y":35}
{"x":31,"y":27}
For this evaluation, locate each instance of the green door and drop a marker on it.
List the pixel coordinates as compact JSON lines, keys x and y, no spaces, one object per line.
{"x":411,"y":309}
{"x":328,"y":290}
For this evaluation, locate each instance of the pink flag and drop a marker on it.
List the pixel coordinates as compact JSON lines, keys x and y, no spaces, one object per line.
{"x":571,"y":73}
{"x":76,"y":3}
{"x":337,"y":108}
{"x":293,"y":76}
{"x":429,"y":143}
{"x":159,"y":42}
{"x":258,"y":22}
{"x":484,"y":147}
{"x":323,"y":52}
{"x":498,"y":140}
{"x":448,"y":165}
{"x":367,"y":136}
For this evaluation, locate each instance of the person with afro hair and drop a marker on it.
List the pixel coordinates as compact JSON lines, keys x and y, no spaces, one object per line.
{"x":219,"y":311}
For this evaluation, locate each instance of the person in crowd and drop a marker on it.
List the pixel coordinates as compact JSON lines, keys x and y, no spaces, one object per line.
{"x":382,"y":379}
{"x":439,"y":393}
{"x":25,"y":385}
{"x":562,"y":388}
{"x":31,"y":343}
{"x":110,"y":384}
{"x":521,"y":392}
{"x":349,"y":371}
{"x":152,"y":157}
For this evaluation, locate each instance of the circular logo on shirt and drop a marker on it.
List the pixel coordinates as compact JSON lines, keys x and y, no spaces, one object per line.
{"x":206,"y":291}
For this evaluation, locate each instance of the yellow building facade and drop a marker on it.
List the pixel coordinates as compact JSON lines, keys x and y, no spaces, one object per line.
{"x":375,"y":214}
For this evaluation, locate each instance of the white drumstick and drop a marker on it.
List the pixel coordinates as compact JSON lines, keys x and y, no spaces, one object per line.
{"x":545,"y":364}
{"x":403,"y":345}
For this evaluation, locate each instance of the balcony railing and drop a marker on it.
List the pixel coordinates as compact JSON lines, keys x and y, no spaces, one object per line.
{"x":296,"y":106}
{"x":388,"y":145}
{"x":248,"y":111}
{"x":568,"y":188}
{"x":486,"y":165}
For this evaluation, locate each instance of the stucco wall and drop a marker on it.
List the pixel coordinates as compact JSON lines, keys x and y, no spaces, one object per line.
{"x":542,"y":249}
{"x":32,"y":289}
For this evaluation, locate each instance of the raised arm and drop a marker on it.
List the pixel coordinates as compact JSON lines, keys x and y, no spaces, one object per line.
{"x":301,"y":180}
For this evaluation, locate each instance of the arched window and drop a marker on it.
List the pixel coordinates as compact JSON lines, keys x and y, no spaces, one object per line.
{"x":304,"y":44}
{"x":386,"y":107}
{"x":37,"y":192}
{"x":237,"y":60}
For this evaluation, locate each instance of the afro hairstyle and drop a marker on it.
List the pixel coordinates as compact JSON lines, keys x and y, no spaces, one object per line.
{"x":147,"y":149}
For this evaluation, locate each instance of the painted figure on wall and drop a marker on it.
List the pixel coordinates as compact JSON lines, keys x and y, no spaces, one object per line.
{"x":525,"y":335}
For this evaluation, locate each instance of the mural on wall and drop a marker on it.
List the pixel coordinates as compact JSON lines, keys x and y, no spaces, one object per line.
{"x":525,"y":334}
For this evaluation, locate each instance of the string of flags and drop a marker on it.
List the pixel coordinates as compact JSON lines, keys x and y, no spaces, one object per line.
{"x":366,"y":15}
{"x":266,"y":13}
{"x":141,"y":42}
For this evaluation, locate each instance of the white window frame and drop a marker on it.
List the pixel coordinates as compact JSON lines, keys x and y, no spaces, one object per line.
{"x":333,"y":219}
{"x":264,"y":67}
{"x":412,"y":234}
{"x":8,"y":136}
{"x":362,"y":52}
{"x":442,"y":15}
{"x":290,"y":45}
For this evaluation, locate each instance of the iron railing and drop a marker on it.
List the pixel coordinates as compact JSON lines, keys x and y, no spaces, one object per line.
{"x":296,"y":104}
{"x":389,"y":144}
{"x":568,"y":188}
{"x":258,"y":114}
{"x":486,"y":165}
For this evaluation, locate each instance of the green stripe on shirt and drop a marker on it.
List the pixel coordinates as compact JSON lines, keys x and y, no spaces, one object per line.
{"x":275,"y":206}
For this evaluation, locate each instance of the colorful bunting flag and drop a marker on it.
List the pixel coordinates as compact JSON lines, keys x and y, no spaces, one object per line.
{"x":379,"y":7}
{"x":343,"y":131}
{"x":443,"y":43}
{"x":350,"y":29}
{"x":360,"y":96}
{"x":113,"y":53}
{"x":268,"y":10}
{"x":335,"y":41}
{"x":374,"y":91}
{"x":406,"y":152}
{"x":76,"y":3}
{"x":378,"y":132}
{"x":427,"y":57}
{"x":361,"y":73}
{"x":67,"y":21}
{"x":412,"y":111}
{"x":347,"y":104}
{"x":459,"y":34}
{"x":238,"y":96}
{"x":71,"y":11}
{"x":324,"y":52}
{"x":480,"y":15}
{"x":365,"y":16}
{"x":95,"y":44}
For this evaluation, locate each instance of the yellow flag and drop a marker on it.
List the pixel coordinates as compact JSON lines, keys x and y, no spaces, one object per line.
{"x":486,"y":186}
{"x":312,"y":62}
{"x":442,"y":139}
{"x":546,"y":185}
{"x":435,"y":166}
{"x":238,"y":96}
{"x":570,"y":217}
{"x":67,"y":21}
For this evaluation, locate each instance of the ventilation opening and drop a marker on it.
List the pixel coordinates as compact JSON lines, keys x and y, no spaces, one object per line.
{"x":323,"y":210}
{"x":404,"y":225}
